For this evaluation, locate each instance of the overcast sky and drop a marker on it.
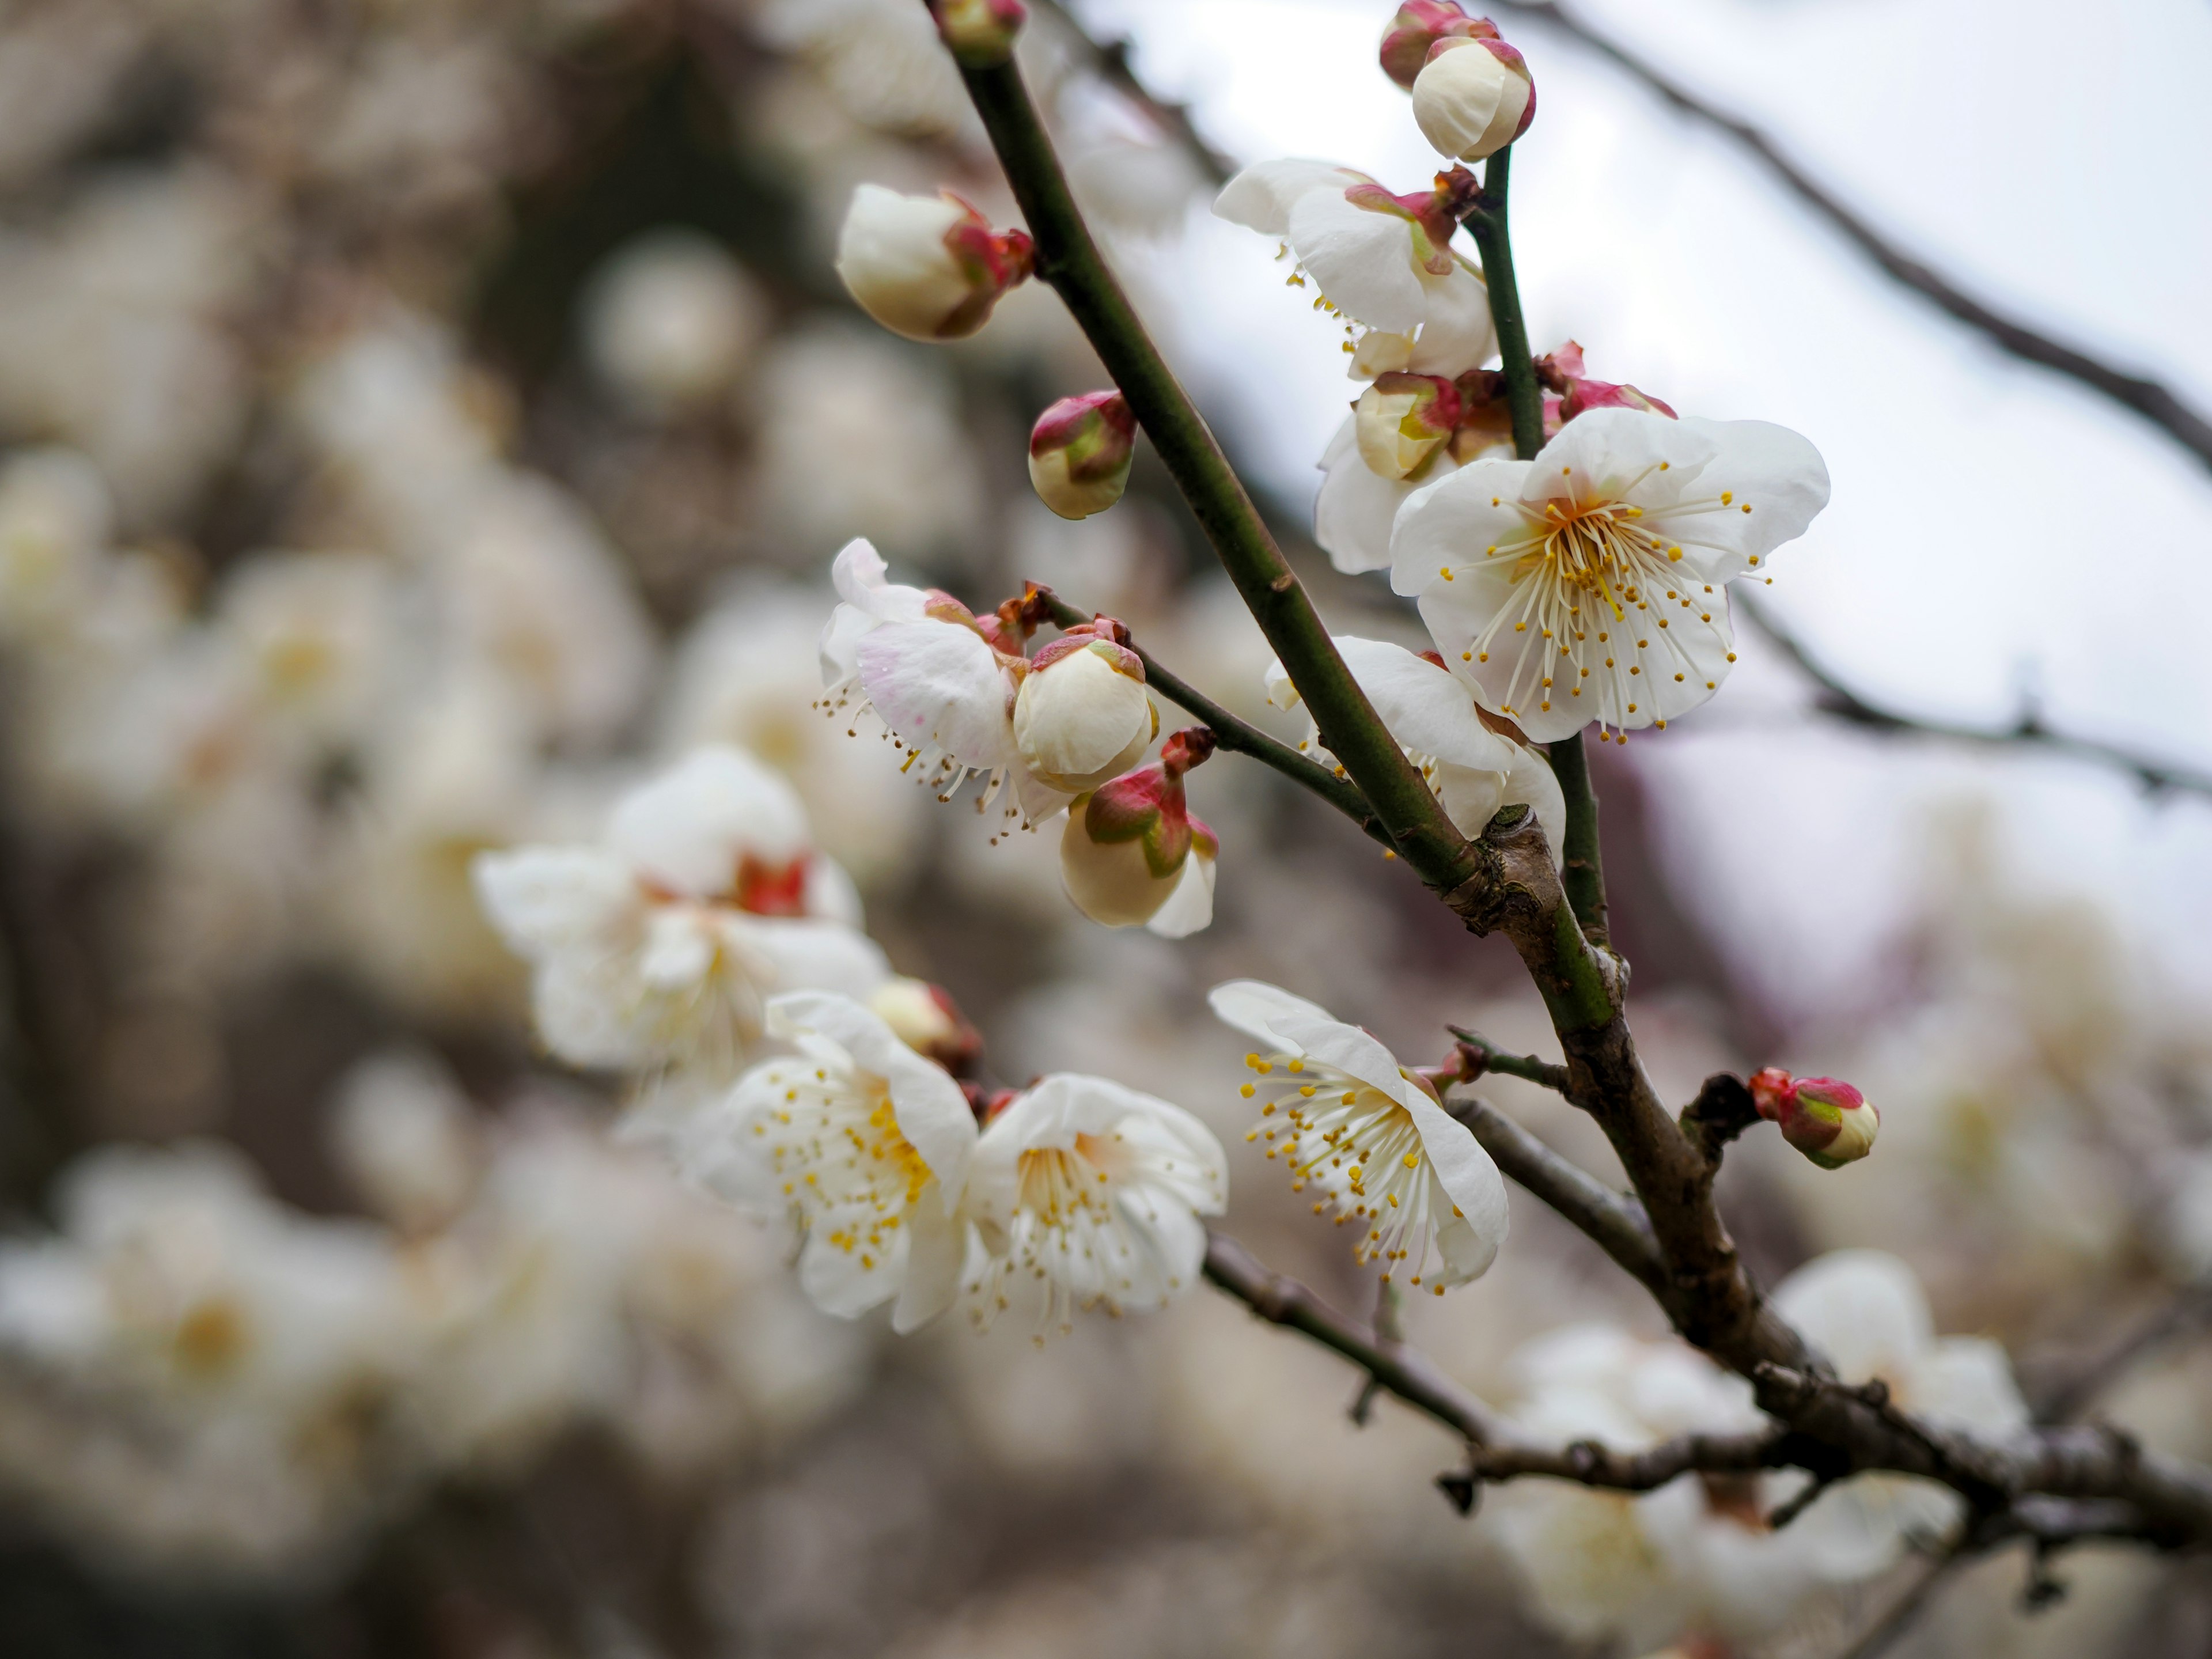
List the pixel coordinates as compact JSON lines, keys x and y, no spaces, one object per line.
{"x":1993,"y":527}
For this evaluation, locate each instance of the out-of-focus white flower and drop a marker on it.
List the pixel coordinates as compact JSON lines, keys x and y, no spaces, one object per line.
{"x":1082,"y":714}
{"x":2187,"y":1228}
{"x":1865,"y":1312}
{"x":1091,"y":1193}
{"x":929,"y":268}
{"x":661,"y":947}
{"x":1473,"y":97}
{"x":859,"y":435}
{"x":1384,"y":261}
{"x":1369,"y":1135}
{"x":1136,"y":190}
{"x":670,"y":319}
{"x":883,"y":61}
{"x":749,"y":674}
{"x":55,"y":520}
{"x":941,"y":678}
{"x":1591,"y":584}
{"x":1080,"y":450}
{"x":314,"y":633}
{"x":1132,"y":855}
{"x":62,"y":70}
{"x":1694,"y":1556}
{"x":1473,"y":769}
{"x":402,"y":1131}
{"x":866,"y":1144}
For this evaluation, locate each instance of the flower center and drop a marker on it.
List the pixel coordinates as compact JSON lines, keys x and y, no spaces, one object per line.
{"x":1600,"y":550}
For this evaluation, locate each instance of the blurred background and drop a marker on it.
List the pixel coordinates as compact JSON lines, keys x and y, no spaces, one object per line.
{"x":422,"y":420}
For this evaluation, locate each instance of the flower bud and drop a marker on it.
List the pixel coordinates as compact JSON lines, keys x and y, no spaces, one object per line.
{"x":928,"y":267}
{"x":979,"y":33}
{"x":1828,"y":1120}
{"x":925,"y":1018}
{"x":1414,"y":31}
{"x":1401,"y":418}
{"x":1131,"y":855}
{"x":1584,"y":395}
{"x":1079,"y":452}
{"x":1083,"y":716}
{"x":1473,"y":97}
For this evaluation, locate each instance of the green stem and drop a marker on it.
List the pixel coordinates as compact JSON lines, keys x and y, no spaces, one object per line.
{"x":1237,"y":736}
{"x":1068,"y":259}
{"x":1584,"y":875}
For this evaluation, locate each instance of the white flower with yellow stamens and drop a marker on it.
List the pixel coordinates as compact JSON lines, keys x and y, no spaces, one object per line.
{"x":864,"y":1144}
{"x":1091,"y":1193}
{"x":1591,"y":583}
{"x":1350,"y":1120}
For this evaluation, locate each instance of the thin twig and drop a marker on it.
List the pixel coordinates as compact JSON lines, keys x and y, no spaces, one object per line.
{"x":1406,"y":1372}
{"x":1486,"y":1056}
{"x":1881,"y":1636}
{"x":1614,"y":1221}
{"x":1238,"y":736}
{"x":1839,"y":701}
{"x":2148,"y":397}
{"x":2176,"y":1320}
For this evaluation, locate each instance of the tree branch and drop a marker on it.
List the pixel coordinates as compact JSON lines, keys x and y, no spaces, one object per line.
{"x":1580,"y":852}
{"x":1405,"y":1371}
{"x":2147,"y":397}
{"x":1614,"y":1221}
{"x":2176,"y":1320}
{"x":1481,"y":1055}
{"x":1839,"y":701}
{"x":1068,"y":258}
{"x":1238,"y":737}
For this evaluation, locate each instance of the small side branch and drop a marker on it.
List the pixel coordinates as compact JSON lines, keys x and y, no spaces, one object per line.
{"x":2184,"y":1314}
{"x":1839,"y":701}
{"x":1614,"y":1221}
{"x":2148,"y":397}
{"x":1588,"y":1463}
{"x":1479,"y":1055}
{"x":1406,"y":1372}
{"x":1722,"y":1110}
{"x":1238,"y":736}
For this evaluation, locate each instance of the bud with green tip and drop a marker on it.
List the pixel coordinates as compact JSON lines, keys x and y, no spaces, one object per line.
{"x":979,"y":33}
{"x":1131,"y":855}
{"x":1401,"y":419}
{"x":1080,"y":453}
{"x":1827,"y":1120}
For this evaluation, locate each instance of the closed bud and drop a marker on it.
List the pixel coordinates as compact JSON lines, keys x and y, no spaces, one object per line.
{"x":979,"y":33}
{"x":1079,"y":452}
{"x":928,"y":267}
{"x":1828,"y":1120}
{"x":1131,"y":855}
{"x":925,"y":1018}
{"x":1473,"y":97}
{"x":1584,"y":395}
{"x":1414,"y":31}
{"x":1401,"y":418}
{"x":1082,"y":714}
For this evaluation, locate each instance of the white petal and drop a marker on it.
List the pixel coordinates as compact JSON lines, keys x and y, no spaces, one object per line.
{"x":1863,"y":1309}
{"x":932,"y":1112}
{"x":1470,"y":1179}
{"x":1967,"y":1382}
{"x":801,"y":954}
{"x":1189,"y":908}
{"x":1356,"y":506}
{"x":830,"y":892}
{"x":679,"y":950}
{"x":937,"y":1249}
{"x":863,"y":581}
{"x":1453,"y":518}
{"x":1426,"y":708}
{"x":1772,"y":471}
{"x":836,"y":1280}
{"x":1457,"y":334}
{"x":1361,"y":259}
{"x":1261,"y":196}
{"x":689,"y":829}
{"x":939,"y":683}
{"x":1624,"y":455}
{"x":1295,"y":1026}
{"x":1532,"y":780}
{"x":542,"y":898}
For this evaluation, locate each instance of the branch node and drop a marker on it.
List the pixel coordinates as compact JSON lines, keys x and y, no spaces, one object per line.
{"x":1462,"y":1488}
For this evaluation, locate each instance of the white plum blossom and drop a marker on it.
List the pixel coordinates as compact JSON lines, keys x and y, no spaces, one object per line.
{"x":1474,"y":768}
{"x":55,"y":520}
{"x":1350,"y":1120}
{"x":1864,"y":1311}
{"x":938,"y":677}
{"x":1591,"y":583}
{"x":864,"y":1144}
{"x":670,"y":319}
{"x":660,"y":948}
{"x":1695,"y":1557}
{"x":1088,"y":1194}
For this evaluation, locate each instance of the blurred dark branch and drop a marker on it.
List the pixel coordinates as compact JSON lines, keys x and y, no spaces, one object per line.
{"x":2147,"y":397}
{"x":1238,"y":736}
{"x":1405,"y":1371}
{"x":1839,"y":701}
{"x":2179,"y":1318}
{"x":1110,"y":60}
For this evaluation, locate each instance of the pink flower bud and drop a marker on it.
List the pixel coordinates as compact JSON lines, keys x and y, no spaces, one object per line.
{"x":1401,"y":419}
{"x":1473,"y":97}
{"x":979,"y":33}
{"x":928,"y":267}
{"x":1131,"y":855}
{"x":1414,"y":31}
{"x":1082,"y":714}
{"x":1585,"y":394}
{"x":1080,"y":453}
{"x":925,"y":1018}
{"x":1828,"y":1120}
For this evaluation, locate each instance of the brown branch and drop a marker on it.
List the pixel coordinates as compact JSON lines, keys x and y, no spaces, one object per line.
{"x":1481,"y":1057}
{"x":1839,"y":701}
{"x":1614,"y":1221}
{"x":1405,"y":1371}
{"x":1722,"y":1110}
{"x":2148,"y":397}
